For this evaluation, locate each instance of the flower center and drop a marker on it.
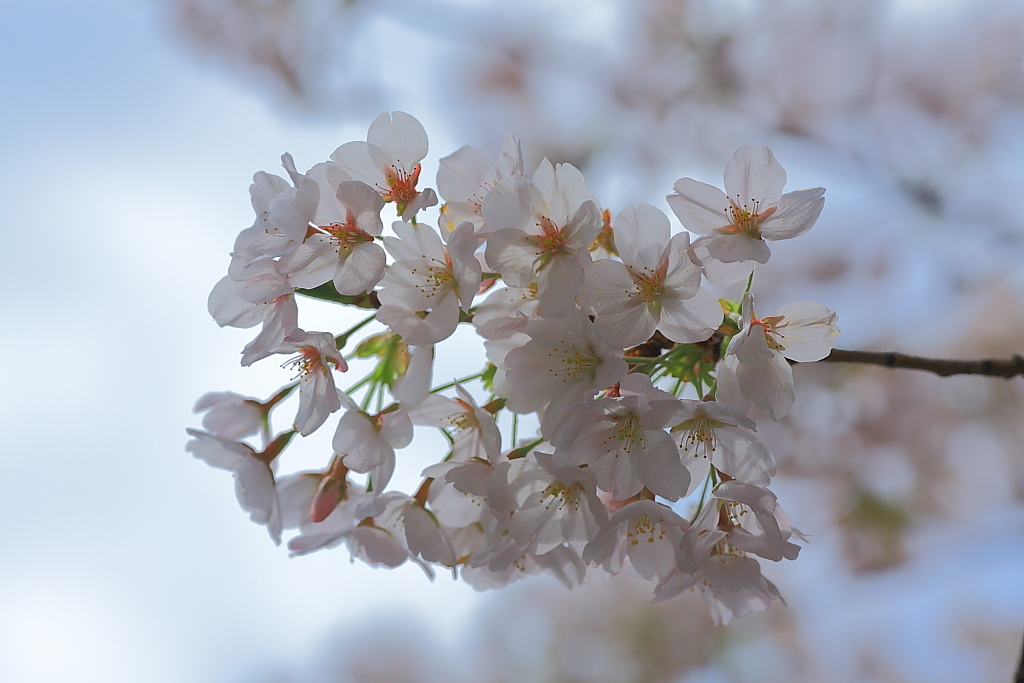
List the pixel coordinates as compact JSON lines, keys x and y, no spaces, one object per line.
{"x":648,"y":284}
{"x":401,"y":185}
{"x":698,"y":435}
{"x":305,"y":364}
{"x":642,"y":526}
{"x":770,"y":335}
{"x":573,"y":363}
{"x":745,"y":219}
{"x":346,"y":234}
{"x":434,"y":280}
{"x":551,"y":241}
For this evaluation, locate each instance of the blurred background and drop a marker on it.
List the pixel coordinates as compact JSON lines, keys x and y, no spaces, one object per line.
{"x":129,"y":131}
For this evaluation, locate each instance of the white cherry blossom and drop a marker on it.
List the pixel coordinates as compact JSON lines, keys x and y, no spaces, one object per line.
{"x":713,"y":433}
{"x":754,"y":370}
{"x":625,"y":451}
{"x":543,"y":228}
{"x":467,"y":175}
{"x":550,"y":505}
{"x":735,"y":224}
{"x":655,"y":286}
{"x":317,"y":356}
{"x":428,"y":275}
{"x":646,"y":532}
{"x":564,"y":361}
{"x":367,"y":443}
{"x":473,"y":428}
{"x":341,"y":245}
{"x":389,"y":161}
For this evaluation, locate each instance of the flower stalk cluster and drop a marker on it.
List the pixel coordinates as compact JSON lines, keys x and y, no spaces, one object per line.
{"x":598,"y":330}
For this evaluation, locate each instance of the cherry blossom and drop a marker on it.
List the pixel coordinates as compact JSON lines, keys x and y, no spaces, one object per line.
{"x":713,"y":433}
{"x":755,"y":371}
{"x":564,"y":361}
{"x":625,"y":451}
{"x":472,"y":428}
{"x":317,"y":356}
{"x":341,"y":246}
{"x":646,"y":532}
{"x":428,"y":275}
{"x":735,"y":224}
{"x":543,"y":228}
{"x":389,"y":161}
{"x":465,"y":177}
{"x":655,"y":286}
{"x":367,"y":443}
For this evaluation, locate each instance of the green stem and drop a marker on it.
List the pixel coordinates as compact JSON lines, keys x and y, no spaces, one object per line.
{"x":458,"y":381}
{"x":342,"y":339}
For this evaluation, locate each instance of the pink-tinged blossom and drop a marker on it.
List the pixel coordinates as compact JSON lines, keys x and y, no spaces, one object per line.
{"x":713,"y":433}
{"x":646,"y":532}
{"x":253,"y":294}
{"x":625,"y":451}
{"x":389,"y":161}
{"x":543,"y":228}
{"x":473,"y":429}
{"x":318,"y":396}
{"x":500,"y":560}
{"x":735,"y":224}
{"x":564,"y":361}
{"x":276,"y":204}
{"x":655,"y":286}
{"x":466,"y":176}
{"x":367,"y":443}
{"x":340,"y":246}
{"x":430,"y":276}
{"x":552,"y":505}
{"x":254,"y":480}
{"x":738,"y":519}
{"x":755,"y":371}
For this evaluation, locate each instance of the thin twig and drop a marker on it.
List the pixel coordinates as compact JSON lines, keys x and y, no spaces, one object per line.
{"x":992,"y":367}
{"x":1019,"y":677}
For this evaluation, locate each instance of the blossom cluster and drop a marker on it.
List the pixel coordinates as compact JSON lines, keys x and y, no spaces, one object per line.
{"x":640,"y":382}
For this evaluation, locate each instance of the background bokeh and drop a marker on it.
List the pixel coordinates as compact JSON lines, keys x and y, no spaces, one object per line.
{"x":129,"y":131}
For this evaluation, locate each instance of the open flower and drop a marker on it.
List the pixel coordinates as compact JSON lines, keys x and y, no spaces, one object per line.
{"x":428,"y":275}
{"x":340,"y":246}
{"x":735,"y":224}
{"x":389,"y":161}
{"x":317,"y":356}
{"x":466,"y":176}
{"x":543,"y":230}
{"x":656,"y":286}
{"x":755,"y":371}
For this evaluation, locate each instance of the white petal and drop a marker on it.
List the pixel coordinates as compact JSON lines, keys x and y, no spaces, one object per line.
{"x":691,"y":320}
{"x":753,"y":175}
{"x":641,"y":234}
{"x":796,"y":213}
{"x":557,"y":284}
{"x":361,"y":270}
{"x":809,"y":331}
{"x":700,"y":207}
{"x":401,"y":136}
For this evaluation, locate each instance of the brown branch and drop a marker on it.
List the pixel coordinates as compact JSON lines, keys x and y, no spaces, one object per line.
{"x":992,"y":367}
